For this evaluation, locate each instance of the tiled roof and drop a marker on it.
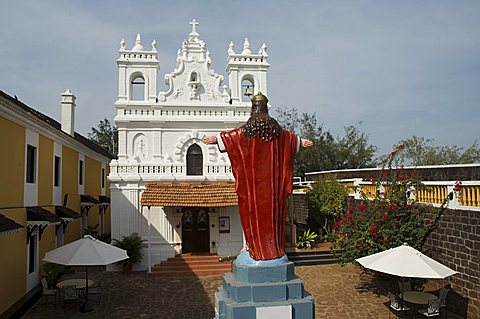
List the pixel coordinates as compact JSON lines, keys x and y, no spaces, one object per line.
{"x":80,"y":138}
{"x":208,"y":195}
{"x":8,"y":225}
{"x":39,"y":214}
{"x":87,"y":199}
{"x":104,"y":199}
{"x":66,"y":212}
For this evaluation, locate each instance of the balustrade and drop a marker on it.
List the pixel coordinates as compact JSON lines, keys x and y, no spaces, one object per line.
{"x":184,"y":113}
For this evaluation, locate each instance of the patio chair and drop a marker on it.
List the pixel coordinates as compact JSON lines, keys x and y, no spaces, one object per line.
{"x":96,"y":289}
{"x":443,"y":296}
{"x":70,"y":295}
{"x":432,"y":310}
{"x":47,"y":291}
{"x":404,"y":286}
{"x":396,"y":303}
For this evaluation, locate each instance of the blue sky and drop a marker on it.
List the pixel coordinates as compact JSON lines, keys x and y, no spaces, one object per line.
{"x":401,"y":68}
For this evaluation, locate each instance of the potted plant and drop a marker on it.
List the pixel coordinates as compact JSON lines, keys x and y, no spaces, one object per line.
{"x":306,"y":240}
{"x":133,"y":244}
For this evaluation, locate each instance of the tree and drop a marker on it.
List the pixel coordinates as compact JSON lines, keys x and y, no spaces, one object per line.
{"x":328,"y":152}
{"x":421,"y":151}
{"x":326,"y":201}
{"x":105,"y":135}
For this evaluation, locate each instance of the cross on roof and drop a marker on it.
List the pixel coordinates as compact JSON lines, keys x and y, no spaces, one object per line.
{"x":194,"y":24}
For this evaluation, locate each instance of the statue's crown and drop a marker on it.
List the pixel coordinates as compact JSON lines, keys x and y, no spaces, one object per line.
{"x":259,"y":97}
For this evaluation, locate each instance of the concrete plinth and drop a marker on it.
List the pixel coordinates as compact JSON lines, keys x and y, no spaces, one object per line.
{"x":259,"y":290}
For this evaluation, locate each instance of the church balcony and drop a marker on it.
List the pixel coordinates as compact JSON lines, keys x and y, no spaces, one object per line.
{"x":149,"y":113}
{"x":168,"y":172}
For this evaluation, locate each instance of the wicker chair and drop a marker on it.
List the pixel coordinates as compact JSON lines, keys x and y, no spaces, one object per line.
{"x":47,"y":291}
{"x":70,"y":295}
{"x":432,"y":310}
{"x":396,"y":303}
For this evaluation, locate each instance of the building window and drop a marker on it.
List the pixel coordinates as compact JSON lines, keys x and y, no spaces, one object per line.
{"x":31,"y":163}
{"x":194,"y":160}
{"x":56,"y":172}
{"x":103,"y":177}
{"x":80,"y":172}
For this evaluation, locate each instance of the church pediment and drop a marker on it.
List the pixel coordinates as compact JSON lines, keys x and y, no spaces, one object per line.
{"x":193,"y":80}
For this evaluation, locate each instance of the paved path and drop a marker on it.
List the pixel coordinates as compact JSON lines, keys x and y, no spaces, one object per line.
{"x":340,"y":292}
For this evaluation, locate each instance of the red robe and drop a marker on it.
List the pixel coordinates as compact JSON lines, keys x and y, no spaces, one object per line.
{"x":263,"y":178}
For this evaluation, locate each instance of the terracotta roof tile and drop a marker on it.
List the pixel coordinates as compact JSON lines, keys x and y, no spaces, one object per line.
{"x":208,"y":195}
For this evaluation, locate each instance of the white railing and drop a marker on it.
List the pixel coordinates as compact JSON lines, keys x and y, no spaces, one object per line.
{"x":166,"y":169}
{"x":466,"y":196}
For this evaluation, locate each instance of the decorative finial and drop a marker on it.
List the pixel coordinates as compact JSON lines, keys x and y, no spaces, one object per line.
{"x":230,"y":48}
{"x":246,"y":47}
{"x":138,"y":44}
{"x":154,"y":45}
{"x":194,"y":24}
{"x":264,"y":50}
{"x":122,"y":44}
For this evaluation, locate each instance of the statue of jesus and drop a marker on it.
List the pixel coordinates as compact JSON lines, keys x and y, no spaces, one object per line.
{"x":261,"y":153}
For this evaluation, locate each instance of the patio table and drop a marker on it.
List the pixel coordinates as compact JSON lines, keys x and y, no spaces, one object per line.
{"x":418,"y":297}
{"x":79,"y":283}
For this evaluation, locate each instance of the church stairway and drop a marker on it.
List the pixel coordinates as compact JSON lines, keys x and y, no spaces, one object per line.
{"x":191,"y":265}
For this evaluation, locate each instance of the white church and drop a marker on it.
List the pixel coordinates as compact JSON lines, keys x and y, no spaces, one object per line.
{"x":166,"y":185}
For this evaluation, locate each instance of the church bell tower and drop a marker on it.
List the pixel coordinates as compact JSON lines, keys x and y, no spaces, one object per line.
{"x":247,"y":69}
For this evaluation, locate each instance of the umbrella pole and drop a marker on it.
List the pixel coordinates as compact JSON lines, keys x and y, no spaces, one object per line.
{"x":86,"y":307}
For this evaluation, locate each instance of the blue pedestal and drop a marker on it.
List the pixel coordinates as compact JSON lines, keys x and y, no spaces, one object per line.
{"x":253,"y":284}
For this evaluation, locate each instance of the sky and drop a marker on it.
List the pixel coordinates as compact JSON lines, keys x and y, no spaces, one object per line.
{"x":395,"y":68}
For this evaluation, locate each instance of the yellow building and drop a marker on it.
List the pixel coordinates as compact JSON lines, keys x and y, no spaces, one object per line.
{"x":53,"y":185}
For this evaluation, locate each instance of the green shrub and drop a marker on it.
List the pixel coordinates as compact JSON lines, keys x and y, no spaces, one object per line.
{"x":133,"y":244}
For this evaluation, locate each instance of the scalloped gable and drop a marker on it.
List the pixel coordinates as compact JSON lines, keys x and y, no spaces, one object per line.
{"x":193,"y":79}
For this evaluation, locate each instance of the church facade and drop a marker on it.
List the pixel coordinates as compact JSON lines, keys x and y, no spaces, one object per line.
{"x":166,"y":185}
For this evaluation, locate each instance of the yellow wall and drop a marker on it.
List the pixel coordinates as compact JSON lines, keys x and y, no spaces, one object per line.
{"x":13,"y":274}
{"x":72,"y":232}
{"x":12,"y":163}
{"x":45,"y":171}
{"x":70,"y":174}
{"x":93,"y":187}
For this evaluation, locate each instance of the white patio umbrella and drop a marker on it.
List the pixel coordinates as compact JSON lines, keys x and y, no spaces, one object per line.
{"x":405,"y":261}
{"x":86,"y":251}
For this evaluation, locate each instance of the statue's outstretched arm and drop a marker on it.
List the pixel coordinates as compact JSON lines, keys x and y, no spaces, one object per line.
{"x":210,"y":140}
{"x":306,"y":143}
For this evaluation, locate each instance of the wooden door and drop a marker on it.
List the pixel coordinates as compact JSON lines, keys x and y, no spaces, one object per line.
{"x":195,"y":231}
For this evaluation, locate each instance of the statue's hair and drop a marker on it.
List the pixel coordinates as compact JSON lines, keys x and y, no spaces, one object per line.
{"x":260,"y":124}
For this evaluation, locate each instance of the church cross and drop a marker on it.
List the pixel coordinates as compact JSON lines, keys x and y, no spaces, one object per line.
{"x":194,"y":24}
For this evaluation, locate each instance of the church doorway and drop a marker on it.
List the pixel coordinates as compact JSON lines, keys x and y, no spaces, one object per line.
{"x":195,"y":231}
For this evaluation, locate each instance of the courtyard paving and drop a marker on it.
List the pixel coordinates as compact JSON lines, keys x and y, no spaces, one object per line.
{"x":340,"y":292}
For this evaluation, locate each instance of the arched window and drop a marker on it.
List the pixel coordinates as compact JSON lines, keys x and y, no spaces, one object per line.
{"x":137,"y":88}
{"x":193,"y":77}
{"x":194,"y":160}
{"x":247,"y":89}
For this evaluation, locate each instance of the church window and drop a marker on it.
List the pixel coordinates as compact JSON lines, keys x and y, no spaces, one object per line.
{"x":138,"y":89}
{"x":194,"y":160}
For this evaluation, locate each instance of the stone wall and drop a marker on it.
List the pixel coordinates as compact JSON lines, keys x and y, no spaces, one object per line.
{"x":456,"y":244}
{"x":300,"y":208}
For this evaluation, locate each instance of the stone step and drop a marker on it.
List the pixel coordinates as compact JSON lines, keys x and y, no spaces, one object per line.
{"x":310,"y":258}
{"x":191,"y":265}
{"x":187,"y":273}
